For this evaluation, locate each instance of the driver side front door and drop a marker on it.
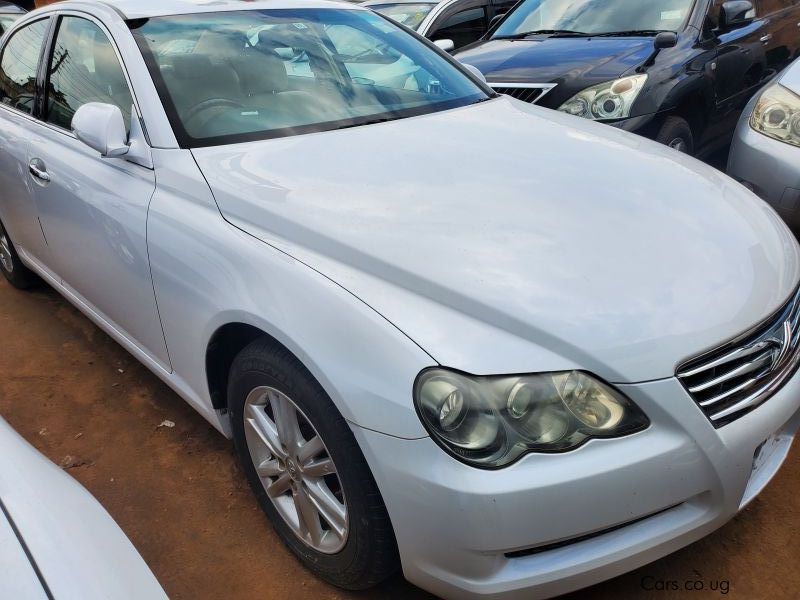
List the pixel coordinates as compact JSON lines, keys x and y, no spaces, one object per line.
{"x":93,"y":210}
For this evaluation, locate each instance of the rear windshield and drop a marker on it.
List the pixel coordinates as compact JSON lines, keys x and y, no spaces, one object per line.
{"x":226,"y":77}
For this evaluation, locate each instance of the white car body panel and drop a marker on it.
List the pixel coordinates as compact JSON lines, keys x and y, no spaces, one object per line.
{"x":79,"y":550}
{"x":25,"y":584}
{"x":378,"y":251}
{"x":621,"y":299}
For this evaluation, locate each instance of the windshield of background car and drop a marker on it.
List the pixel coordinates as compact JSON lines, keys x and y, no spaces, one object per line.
{"x":410,"y":15}
{"x":229,"y":77}
{"x":595,"y":16}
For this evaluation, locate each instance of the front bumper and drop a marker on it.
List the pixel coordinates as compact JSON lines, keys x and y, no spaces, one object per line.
{"x":550,"y":524}
{"x":769,"y":167}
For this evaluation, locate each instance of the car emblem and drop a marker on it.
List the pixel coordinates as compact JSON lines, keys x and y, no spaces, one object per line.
{"x":783,"y":341}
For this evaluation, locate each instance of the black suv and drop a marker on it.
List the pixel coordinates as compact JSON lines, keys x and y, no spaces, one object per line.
{"x":677,"y":71}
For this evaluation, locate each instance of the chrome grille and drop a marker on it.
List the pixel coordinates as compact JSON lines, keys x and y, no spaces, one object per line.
{"x":737,"y":377}
{"x":527,"y":92}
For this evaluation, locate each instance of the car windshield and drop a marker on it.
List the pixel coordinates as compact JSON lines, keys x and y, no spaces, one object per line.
{"x":238,"y":76}
{"x":410,"y":15}
{"x":575,"y":17}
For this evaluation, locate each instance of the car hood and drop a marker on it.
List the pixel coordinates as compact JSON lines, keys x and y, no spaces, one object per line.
{"x":491,"y":231}
{"x":556,"y":59}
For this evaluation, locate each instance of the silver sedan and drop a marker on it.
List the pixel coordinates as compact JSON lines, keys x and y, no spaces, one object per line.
{"x":765,"y":155}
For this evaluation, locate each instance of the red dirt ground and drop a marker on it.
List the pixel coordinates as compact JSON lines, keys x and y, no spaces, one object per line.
{"x":177,"y":492}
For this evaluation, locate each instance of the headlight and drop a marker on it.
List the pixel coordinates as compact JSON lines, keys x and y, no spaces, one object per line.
{"x":609,"y":100}
{"x":491,"y":422}
{"x":777,"y":115}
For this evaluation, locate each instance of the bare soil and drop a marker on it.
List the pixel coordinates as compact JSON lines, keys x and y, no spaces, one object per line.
{"x":179,"y":495}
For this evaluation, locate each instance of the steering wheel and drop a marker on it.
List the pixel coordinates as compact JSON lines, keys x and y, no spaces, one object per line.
{"x":205,"y":105}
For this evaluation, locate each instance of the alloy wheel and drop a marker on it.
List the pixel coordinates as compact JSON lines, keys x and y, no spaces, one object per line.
{"x":296,"y":469}
{"x":6,"y":261}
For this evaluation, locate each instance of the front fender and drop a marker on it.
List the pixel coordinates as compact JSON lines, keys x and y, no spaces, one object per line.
{"x":207,"y":273}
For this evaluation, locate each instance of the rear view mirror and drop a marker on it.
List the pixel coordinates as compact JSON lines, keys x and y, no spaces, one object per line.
{"x":736,"y":13}
{"x":446,"y":45}
{"x":102,"y":128}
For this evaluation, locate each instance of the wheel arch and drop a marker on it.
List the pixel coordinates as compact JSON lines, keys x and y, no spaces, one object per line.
{"x":223,"y":346}
{"x":232,"y":336}
{"x":693,"y":100}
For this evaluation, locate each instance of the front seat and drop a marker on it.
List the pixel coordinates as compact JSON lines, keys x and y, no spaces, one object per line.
{"x":265,"y":86}
{"x":201,"y":80}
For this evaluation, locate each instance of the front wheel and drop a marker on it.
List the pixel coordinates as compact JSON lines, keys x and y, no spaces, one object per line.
{"x":677,"y":134}
{"x":306,"y":469}
{"x":14,"y":271}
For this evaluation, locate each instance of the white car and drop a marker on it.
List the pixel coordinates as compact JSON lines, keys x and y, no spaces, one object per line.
{"x":511,"y":351}
{"x":56,"y":541}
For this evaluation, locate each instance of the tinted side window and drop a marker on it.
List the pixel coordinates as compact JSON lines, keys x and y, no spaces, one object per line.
{"x":19,"y":64}
{"x":501,"y":7}
{"x":768,"y":7}
{"x":84,"y":68}
{"x":463,"y":27}
{"x":716,"y":8}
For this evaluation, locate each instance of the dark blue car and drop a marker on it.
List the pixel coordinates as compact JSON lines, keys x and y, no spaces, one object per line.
{"x":677,"y":71}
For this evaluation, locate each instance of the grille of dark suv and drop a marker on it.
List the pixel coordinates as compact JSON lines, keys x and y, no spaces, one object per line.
{"x":740,"y":375}
{"x":530,"y":93}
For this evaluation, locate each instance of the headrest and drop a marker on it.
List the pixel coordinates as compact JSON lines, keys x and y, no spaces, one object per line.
{"x":283,"y":36}
{"x":107,"y":67}
{"x":191,"y":66}
{"x":261,"y":73}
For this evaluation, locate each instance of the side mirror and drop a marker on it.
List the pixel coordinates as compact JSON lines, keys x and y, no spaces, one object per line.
{"x":446,"y":45}
{"x":102,"y":128}
{"x":475,"y":71}
{"x":735,"y":14}
{"x":665,"y":39}
{"x":495,"y":20}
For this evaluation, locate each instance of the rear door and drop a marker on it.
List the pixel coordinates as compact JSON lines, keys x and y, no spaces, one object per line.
{"x":94,"y":210}
{"x":19,"y":62}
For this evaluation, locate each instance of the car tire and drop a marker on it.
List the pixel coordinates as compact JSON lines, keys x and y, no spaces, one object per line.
{"x":268,"y":381}
{"x":14,"y":271}
{"x":677,"y":133}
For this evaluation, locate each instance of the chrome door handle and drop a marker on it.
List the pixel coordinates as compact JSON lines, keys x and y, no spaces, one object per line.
{"x":36,"y":167}
{"x":766,"y":38}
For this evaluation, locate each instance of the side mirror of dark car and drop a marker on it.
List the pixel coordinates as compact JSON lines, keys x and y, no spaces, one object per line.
{"x":495,"y":20}
{"x":665,"y":39}
{"x":735,"y":14}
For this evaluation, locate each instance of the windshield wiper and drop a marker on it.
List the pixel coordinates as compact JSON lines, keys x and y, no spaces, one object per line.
{"x":550,"y":32}
{"x":630,"y":33}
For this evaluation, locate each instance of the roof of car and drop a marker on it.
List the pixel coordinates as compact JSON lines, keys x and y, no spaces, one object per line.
{"x":139,"y":9}
{"x":10,"y":7}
